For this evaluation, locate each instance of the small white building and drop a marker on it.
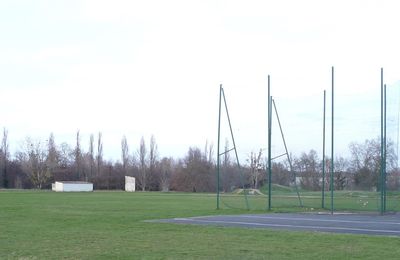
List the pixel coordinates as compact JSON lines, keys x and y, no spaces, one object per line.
{"x":130,"y":183}
{"x":69,"y":186}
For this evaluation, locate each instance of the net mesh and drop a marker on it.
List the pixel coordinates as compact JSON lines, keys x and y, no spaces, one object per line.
{"x":300,"y":177}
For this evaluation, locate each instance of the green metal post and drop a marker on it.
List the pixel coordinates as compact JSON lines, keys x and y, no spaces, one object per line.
{"x":332,"y":145}
{"x":269,"y":145}
{"x":382,"y":149}
{"x":219,"y":136}
{"x":323,"y":153}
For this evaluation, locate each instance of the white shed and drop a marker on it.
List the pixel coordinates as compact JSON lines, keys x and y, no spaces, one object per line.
{"x":72,"y":186}
{"x":130,"y":183}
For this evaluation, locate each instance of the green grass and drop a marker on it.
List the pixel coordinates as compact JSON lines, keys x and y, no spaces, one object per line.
{"x":276,"y":188}
{"x":285,"y":199}
{"x":110,"y":225}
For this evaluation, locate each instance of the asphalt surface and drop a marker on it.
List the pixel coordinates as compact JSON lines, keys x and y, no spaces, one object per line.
{"x":386,"y":225}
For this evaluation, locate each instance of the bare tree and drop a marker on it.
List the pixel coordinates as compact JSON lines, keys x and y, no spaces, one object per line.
{"x":65,"y":153}
{"x":142,"y":163}
{"x":208,"y":152}
{"x":282,"y":174}
{"x":153,"y":176}
{"x":256,"y":167}
{"x":78,"y":156}
{"x":195,"y":173}
{"x":125,"y":154}
{"x":153,"y":155}
{"x":33,"y":161}
{"x":91,"y":156}
{"x":307,"y":167}
{"x":52,"y":154}
{"x":342,"y":177}
{"x":166,"y":165}
{"x":99,"y":156}
{"x":366,"y":162}
{"x":211,"y":153}
{"x":4,"y":158}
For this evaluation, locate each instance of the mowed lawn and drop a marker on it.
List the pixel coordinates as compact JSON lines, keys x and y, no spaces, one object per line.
{"x":111,"y":225}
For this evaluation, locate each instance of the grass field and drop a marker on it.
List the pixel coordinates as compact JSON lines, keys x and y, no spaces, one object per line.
{"x":286,"y":199}
{"x":110,"y":225}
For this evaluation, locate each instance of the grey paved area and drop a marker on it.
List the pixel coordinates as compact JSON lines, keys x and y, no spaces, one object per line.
{"x":387,"y":225}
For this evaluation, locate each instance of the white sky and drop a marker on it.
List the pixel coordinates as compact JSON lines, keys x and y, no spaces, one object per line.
{"x":154,"y":67}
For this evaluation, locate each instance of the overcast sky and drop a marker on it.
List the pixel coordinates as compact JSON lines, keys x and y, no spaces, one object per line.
{"x":138,"y":68}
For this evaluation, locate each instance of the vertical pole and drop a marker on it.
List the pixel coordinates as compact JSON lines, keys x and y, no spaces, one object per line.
{"x":382,"y":149}
{"x":323,"y":153}
{"x":332,"y":141}
{"x":398,"y":134}
{"x":269,"y":145}
{"x":219,"y":136}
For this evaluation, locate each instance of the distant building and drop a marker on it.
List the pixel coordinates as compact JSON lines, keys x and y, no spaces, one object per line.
{"x":130,"y":183}
{"x":71,"y":186}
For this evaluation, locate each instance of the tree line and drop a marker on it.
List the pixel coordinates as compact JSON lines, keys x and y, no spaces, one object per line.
{"x":360,"y":171}
{"x":37,"y":164}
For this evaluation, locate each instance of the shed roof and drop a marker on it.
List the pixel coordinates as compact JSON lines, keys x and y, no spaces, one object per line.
{"x":74,"y":182}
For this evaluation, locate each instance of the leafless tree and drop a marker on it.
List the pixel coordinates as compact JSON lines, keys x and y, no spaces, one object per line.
{"x":366,"y":162}
{"x":307,"y":168}
{"x":167,"y":168}
{"x":52,"y":159}
{"x":281,"y":173}
{"x":125,"y":154}
{"x":153,"y":155}
{"x":99,"y":156}
{"x":4,"y":158}
{"x":208,"y":152}
{"x":195,"y":173}
{"x":91,"y":156}
{"x":342,"y":177}
{"x":78,"y":157}
{"x":33,"y":160}
{"x":211,"y":153}
{"x":65,"y":153}
{"x":142,"y":163}
{"x":256,"y":167}
{"x":153,"y":178}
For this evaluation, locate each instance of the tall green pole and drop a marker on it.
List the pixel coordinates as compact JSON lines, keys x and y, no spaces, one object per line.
{"x":332,"y":141}
{"x":323,"y":153}
{"x":219,"y":136}
{"x":382,"y":147}
{"x":269,"y":145}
